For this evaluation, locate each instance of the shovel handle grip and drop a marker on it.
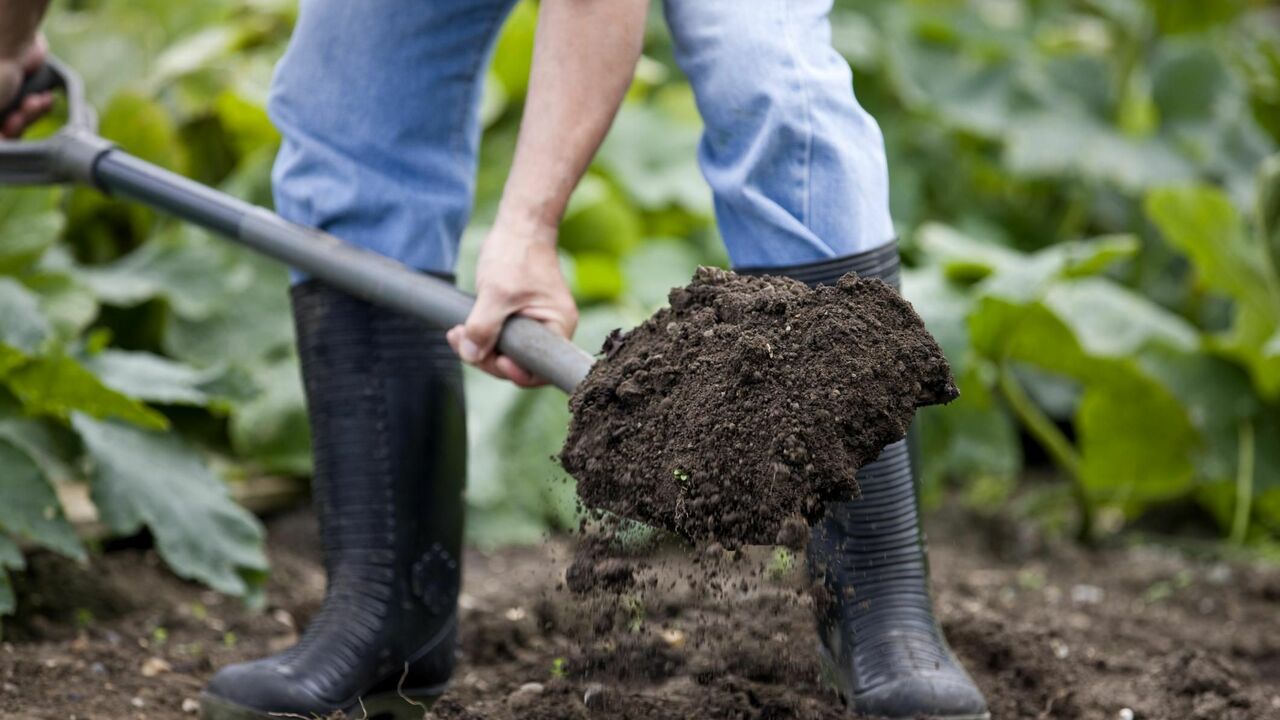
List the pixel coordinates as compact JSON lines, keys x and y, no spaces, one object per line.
{"x":42,"y":80}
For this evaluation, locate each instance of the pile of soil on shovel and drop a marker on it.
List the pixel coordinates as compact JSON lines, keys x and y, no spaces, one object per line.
{"x":749,"y":403}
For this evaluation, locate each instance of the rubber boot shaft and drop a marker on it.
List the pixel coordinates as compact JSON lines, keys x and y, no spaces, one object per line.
{"x":881,"y":645}
{"x":385,"y":400}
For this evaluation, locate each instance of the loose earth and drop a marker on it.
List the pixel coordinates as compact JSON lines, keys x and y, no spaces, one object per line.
{"x":1048,"y":630}
{"x":749,"y":403}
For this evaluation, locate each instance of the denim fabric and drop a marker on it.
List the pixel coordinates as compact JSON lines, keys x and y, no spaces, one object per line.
{"x":378,"y":102}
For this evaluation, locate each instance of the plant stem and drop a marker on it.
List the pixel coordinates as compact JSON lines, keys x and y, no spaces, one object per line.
{"x":1244,"y":483}
{"x":1041,"y":427}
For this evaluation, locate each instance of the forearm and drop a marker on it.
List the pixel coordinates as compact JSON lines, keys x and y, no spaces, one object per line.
{"x":583,"y":62}
{"x":18,"y":22}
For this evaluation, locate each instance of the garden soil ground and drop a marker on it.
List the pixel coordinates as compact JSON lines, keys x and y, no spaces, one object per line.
{"x":1048,"y":632}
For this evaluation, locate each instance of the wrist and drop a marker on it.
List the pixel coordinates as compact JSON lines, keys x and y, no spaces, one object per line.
{"x":529,"y":220}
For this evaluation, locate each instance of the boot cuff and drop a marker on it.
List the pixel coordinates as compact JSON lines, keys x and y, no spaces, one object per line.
{"x":881,"y":263}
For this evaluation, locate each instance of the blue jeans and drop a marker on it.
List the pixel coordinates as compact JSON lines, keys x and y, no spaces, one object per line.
{"x":378,"y":102}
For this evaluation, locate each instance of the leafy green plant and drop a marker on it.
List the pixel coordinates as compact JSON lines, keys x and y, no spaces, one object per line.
{"x":72,"y":410}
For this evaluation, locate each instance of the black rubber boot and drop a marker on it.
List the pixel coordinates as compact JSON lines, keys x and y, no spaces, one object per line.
{"x":384,"y":394}
{"x":881,"y":646}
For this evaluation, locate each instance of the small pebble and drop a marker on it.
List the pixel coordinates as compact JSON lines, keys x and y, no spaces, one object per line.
{"x":598,"y":697}
{"x":284,"y":617}
{"x":525,"y":696}
{"x":1125,"y":714}
{"x":190,"y":706}
{"x":1087,"y":594}
{"x":154,"y":666}
{"x":137,"y":702}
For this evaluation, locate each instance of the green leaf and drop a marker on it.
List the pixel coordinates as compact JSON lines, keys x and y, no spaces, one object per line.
{"x":513,"y":55}
{"x":58,"y":385}
{"x":140,"y":124}
{"x":271,"y":428}
{"x":31,"y":510}
{"x":194,"y":53}
{"x":970,"y":438}
{"x":654,"y":158}
{"x":226,"y":334}
{"x":51,"y":446}
{"x":515,"y":490}
{"x":596,"y":277}
{"x":943,"y":306}
{"x":23,"y":326}
{"x":1136,"y":442}
{"x":1194,"y":16}
{"x":1204,"y":224}
{"x":29,"y":224}
{"x":145,"y":478}
{"x":655,"y":267}
{"x":151,"y":378}
{"x":69,"y":306}
{"x":1055,"y":145}
{"x":247,"y":124}
{"x":1218,"y":397}
{"x":967,"y":259}
{"x":1269,"y":208}
{"x":1109,"y":320}
{"x":195,"y":273}
{"x":1189,"y":82}
{"x":599,"y":220}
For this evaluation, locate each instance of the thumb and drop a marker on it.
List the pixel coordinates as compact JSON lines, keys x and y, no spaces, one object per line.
{"x":34,"y":56}
{"x":484,"y":324}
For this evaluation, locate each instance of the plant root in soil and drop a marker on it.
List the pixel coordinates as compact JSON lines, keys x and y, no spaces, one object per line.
{"x":748,"y":403}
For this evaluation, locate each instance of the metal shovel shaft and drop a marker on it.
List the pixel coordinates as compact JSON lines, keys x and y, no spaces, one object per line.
{"x":77,"y":154}
{"x":362,"y":273}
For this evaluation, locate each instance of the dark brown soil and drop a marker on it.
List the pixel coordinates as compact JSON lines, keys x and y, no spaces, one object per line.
{"x":1048,"y":632}
{"x":749,"y":401}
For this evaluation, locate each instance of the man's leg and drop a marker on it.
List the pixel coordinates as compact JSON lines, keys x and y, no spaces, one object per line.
{"x":801,"y":186}
{"x":377,"y":101}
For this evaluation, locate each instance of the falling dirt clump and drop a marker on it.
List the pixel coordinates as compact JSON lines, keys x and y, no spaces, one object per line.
{"x":748,"y":401}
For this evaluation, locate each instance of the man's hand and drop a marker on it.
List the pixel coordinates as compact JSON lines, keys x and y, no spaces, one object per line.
{"x":12,"y":72}
{"x":583,"y":60}
{"x":518,"y":274}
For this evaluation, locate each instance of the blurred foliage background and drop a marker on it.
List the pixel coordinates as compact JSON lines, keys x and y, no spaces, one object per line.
{"x":1087,"y":194}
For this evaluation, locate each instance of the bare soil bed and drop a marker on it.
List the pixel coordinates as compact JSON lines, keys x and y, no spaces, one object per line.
{"x":1047,"y":631}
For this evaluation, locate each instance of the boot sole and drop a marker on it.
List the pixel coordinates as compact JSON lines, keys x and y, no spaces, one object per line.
{"x":404,"y":705}
{"x":831,"y":676}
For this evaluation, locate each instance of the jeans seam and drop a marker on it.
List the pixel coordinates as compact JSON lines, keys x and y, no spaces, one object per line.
{"x":806,"y":175}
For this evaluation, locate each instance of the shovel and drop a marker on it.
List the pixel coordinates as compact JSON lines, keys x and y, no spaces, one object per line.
{"x":76,"y":154}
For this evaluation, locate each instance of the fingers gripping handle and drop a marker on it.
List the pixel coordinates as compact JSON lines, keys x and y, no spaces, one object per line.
{"x":67,"y":156}
{"x":40,"y":81}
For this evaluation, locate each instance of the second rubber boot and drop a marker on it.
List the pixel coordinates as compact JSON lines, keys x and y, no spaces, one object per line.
{"x":384,"y":394}
{"x":880,"y":643}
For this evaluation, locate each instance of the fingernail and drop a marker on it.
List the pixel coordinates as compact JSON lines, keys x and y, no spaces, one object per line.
{"x":469,"y":351}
